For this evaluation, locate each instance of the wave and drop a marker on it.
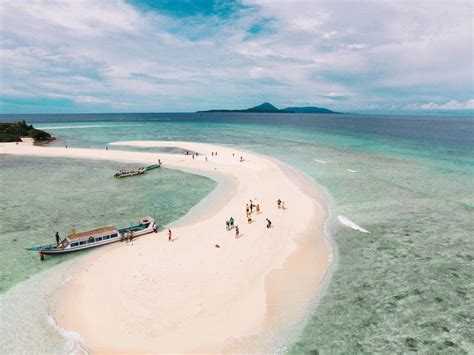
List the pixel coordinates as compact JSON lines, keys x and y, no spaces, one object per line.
{"x":74,"y":343}
{"x":321,"y":161}
{"x":352,"y":171}
{"x":348,"y":223}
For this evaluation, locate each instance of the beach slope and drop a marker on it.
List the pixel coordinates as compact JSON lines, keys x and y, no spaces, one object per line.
{"x":208,"y":290}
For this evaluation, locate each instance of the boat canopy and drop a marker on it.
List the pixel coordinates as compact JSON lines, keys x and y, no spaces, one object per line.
{"x":93,"y":232}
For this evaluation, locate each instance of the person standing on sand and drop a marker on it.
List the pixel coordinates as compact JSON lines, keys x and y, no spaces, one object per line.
{"x":279,"y":203}
{"x":231,"y":221}
{"x":169,"y":235}
{"x":258,"y":208}
{"x":237,"y":232}
{"x":269,"y":223}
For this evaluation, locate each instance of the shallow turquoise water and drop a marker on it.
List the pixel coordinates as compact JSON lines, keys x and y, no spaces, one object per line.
{"x":406,"y":286}
{"x":43,"y":195}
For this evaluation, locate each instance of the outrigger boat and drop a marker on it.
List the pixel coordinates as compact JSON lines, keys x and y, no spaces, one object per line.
{"x":98,"y":237}
{"x":131,"y":172}
{"x":127,"y":172}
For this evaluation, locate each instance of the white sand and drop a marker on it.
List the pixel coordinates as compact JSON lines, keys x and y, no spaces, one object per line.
{"x":188,"y":295}
{"x":26,"y":140}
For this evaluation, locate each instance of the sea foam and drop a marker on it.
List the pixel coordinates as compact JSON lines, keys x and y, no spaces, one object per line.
{"x":348,"y":223}
{"x":74,"y":344}
{"x":321,"y":161}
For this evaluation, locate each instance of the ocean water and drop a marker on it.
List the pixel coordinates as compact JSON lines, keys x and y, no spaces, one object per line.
{"x":43,"y":195}
{"x":405,"y":286}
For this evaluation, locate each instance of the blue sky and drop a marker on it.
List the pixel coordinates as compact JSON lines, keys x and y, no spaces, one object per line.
{"x":371,"y":56}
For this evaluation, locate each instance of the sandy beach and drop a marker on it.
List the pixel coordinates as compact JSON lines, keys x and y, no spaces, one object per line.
{"x":207,"y":290}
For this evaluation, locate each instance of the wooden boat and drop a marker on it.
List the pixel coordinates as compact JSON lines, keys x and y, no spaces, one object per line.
{"x":127,"y":172}
{"x":153,"y":166}
{"x":98,"y":237}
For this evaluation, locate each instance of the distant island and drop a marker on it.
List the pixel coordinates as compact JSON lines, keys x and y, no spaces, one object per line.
{"x":14,"y":132}
{"x":269,"y":108}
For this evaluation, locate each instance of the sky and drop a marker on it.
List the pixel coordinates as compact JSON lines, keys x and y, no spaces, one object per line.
{"x":365,"y":56}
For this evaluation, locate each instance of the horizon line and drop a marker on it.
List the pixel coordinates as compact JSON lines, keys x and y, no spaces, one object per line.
{"x":426,"y":114}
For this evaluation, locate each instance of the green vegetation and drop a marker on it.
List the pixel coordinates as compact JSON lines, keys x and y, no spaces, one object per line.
{"x":13,"y":132}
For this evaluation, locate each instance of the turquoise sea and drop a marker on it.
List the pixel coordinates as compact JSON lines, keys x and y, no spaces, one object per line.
{"x":406,"y":286}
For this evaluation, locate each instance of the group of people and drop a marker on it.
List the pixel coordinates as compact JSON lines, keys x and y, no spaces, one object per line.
{"x":281,"y":204}
{"x":249,"y":207}
{"x":193,"y":154}
{"x":230,"y":225}
{"x":128,"y":237}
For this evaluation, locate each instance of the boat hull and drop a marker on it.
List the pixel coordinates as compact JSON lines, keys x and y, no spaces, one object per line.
{"x":53,"y":249}
{"x":137,"y":230}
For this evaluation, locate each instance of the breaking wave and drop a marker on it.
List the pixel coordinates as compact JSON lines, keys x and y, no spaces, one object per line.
{"x":348,"y":223}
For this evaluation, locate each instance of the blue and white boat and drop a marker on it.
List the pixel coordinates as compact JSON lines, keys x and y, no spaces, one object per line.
{"x":98,"y":237}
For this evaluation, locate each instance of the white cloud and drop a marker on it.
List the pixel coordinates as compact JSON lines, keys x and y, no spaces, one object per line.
{"x":90,"y":100}
{"x":452,"y":105}
{"x":82,"y":17}
{"x":354,"y":55}
{"x":357,"y":46}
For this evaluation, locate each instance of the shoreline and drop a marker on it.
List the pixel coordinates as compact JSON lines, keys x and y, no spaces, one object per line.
{"x":293,"y":249}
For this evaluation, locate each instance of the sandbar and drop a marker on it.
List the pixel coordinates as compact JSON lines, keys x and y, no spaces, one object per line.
{"x":207,"y":291}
